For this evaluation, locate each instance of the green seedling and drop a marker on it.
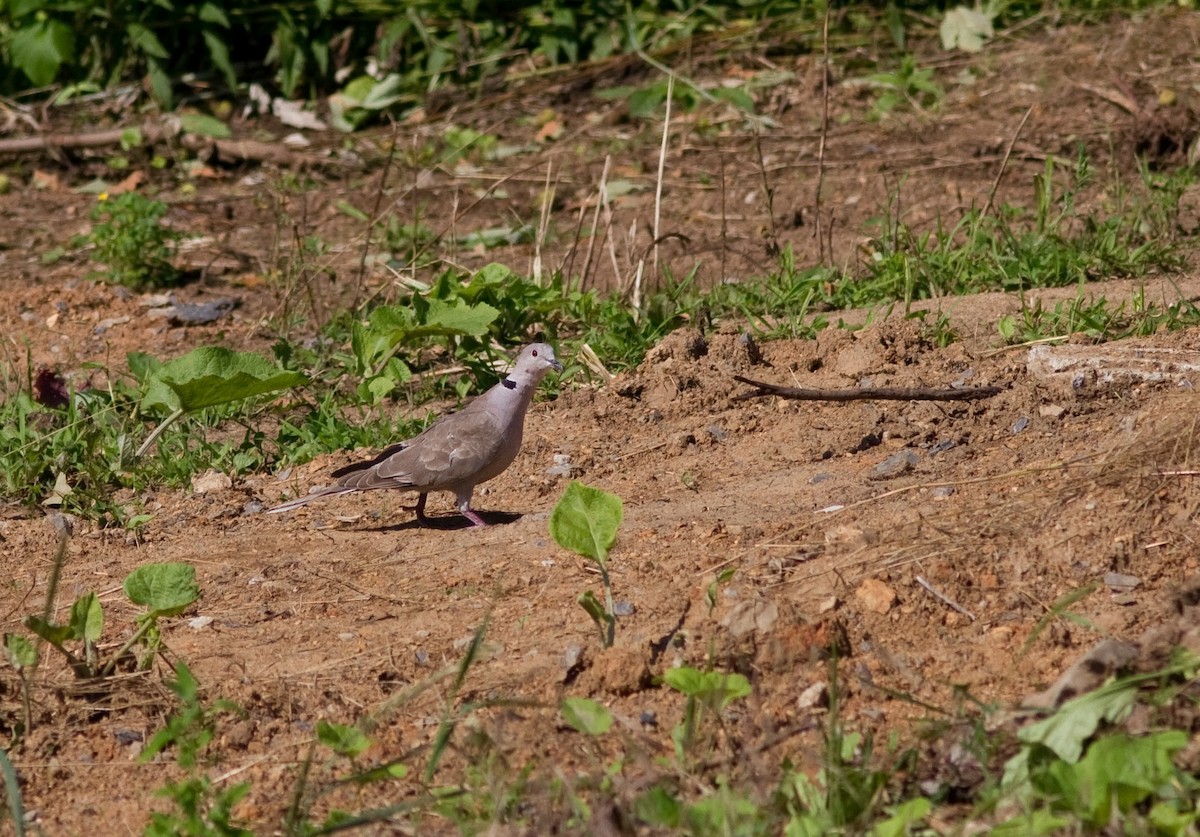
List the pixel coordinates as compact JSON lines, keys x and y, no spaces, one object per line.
{"x":131,"y":242}
{"x":202,"y":810}
{"x":162,"y":589}
{"x":1069,"y":766}
{"x":586,"y":716}
{"x":708,"y":693}
{"x":206,"y":377}
{"x":585,"y":520}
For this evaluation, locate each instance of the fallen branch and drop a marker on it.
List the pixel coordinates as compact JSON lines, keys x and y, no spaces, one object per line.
{"x":222,"y":150}
{"x":864,"y":393}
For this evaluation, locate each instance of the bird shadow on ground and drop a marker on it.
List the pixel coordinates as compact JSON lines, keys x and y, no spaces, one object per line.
{"x":449,"y":522}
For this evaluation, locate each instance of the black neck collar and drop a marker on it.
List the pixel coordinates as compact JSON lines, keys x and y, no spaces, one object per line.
{"x":509,"y":383}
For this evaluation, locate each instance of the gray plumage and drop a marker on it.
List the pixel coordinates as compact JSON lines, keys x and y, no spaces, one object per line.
{"x":458,"y":451}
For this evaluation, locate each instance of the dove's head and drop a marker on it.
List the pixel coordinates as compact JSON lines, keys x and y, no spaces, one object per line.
{"x":534,"y":362}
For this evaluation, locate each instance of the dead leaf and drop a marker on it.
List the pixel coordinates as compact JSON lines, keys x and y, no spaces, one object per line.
{"x":133,"y":180}
{"x":552,"y":130}
{"x":46,"y":180}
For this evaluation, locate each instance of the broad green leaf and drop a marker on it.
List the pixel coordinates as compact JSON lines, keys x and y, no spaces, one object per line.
{"x":585,"y":520}
{"x":1067,"y":729}
{"x":163,"y":589}
{"x":87,"y":618}
{"x":457,"y":318}
{"x":40,"y":49}
{"x":736,"y":96}
{"x":213,"y":375}
{"x":19,"y":651}
{"x":658,"y":807}
{"x":1117,"y":773}
{"x":586,"y":716}
{"x":343,"y":739}
{"x":53,"y":634}
{"x":204,"y":125}
{"x":905,"y":815}
{"x":717,"y":689}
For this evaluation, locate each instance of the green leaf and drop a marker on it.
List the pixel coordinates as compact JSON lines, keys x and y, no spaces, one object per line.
{"x":586,"y":716}
{"x":457,"y":318}
{"x":716,"y":689}
{"x":1118,"y":772}
{"x":39,"y":50}
{"x":219,"y":53}
{"x":54,"y":634}
{"x":204,"y":125}
{"x":1076,"y":721}
{"x":87,"y":618}
{"x":604,"y":620}
{"x":343,"y":739}
{"x":163,"y":589}
{"x":585,"y":520}
{"x":905,"y":815}
{"x":146,"y":41}
{"x":20,"y":651}
{"x":658,"y":807}
{"x":213,"y":375}
{"x":212,"y":13}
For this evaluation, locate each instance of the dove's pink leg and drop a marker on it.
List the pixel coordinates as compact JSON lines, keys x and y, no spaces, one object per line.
{"x":464,"y":508}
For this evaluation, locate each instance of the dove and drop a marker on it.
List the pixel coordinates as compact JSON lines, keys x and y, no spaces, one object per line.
{"x":458,"y":451}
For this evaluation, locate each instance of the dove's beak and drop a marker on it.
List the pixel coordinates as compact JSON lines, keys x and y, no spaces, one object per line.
{"x":556,"y":365}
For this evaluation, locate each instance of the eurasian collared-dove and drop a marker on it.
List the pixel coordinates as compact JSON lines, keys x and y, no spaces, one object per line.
{"x":458,"y":451}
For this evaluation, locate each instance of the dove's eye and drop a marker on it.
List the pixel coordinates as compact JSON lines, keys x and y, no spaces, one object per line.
{"x":535,"y":352}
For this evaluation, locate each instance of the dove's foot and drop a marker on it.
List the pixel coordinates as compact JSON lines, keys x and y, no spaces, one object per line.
{"x":475,"y":519}
{"x":419,"y":508}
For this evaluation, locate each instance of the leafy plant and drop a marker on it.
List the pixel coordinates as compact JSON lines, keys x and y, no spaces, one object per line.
{"x":209,"y":376}
{"x":129,"y":238}
{"x":201,"y":810}
{"x":708,"y":694}
{"x":162,"y":589}
{"x":585,"y":520}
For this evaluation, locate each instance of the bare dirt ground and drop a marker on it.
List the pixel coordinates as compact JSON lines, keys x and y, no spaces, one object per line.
{"x":1001,"y":506}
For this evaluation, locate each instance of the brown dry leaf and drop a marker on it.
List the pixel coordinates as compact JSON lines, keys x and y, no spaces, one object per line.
{"x":552,"y":130}
{"x":46,"y":180}
{"x":133,"y":180}
{"x":205,"y":171}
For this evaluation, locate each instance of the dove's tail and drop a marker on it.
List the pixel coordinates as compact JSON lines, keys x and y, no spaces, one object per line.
{"x":332,"y":491}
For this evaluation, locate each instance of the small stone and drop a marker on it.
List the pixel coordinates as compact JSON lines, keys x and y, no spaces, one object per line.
{"x":571,"y":656}
{"x":252,"y":507}
{"x":1019,"y":425}
{"x":717,"y":432}
{"x":1051,"y":411}
{"x":1124,"y":599}
{"x":818,"y":478}
{"x":815,"y":696}
{"x":751,"y":615}
{"x":211,"y":480}
{"x":562,"y":467}
{"x":648,"y":718}
{"x":876,"y":596}
{"x":826,"y":605}
{"x":200,"y":622}
{"x":942,"y":492}
{"x":623,"y":608}
{"x":942,"y":446}
{"x":1120,"y":582}
{"x":895,"y":465}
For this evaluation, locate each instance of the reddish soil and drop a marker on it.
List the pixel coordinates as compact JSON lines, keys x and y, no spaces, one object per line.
{"x":338,"y":612}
